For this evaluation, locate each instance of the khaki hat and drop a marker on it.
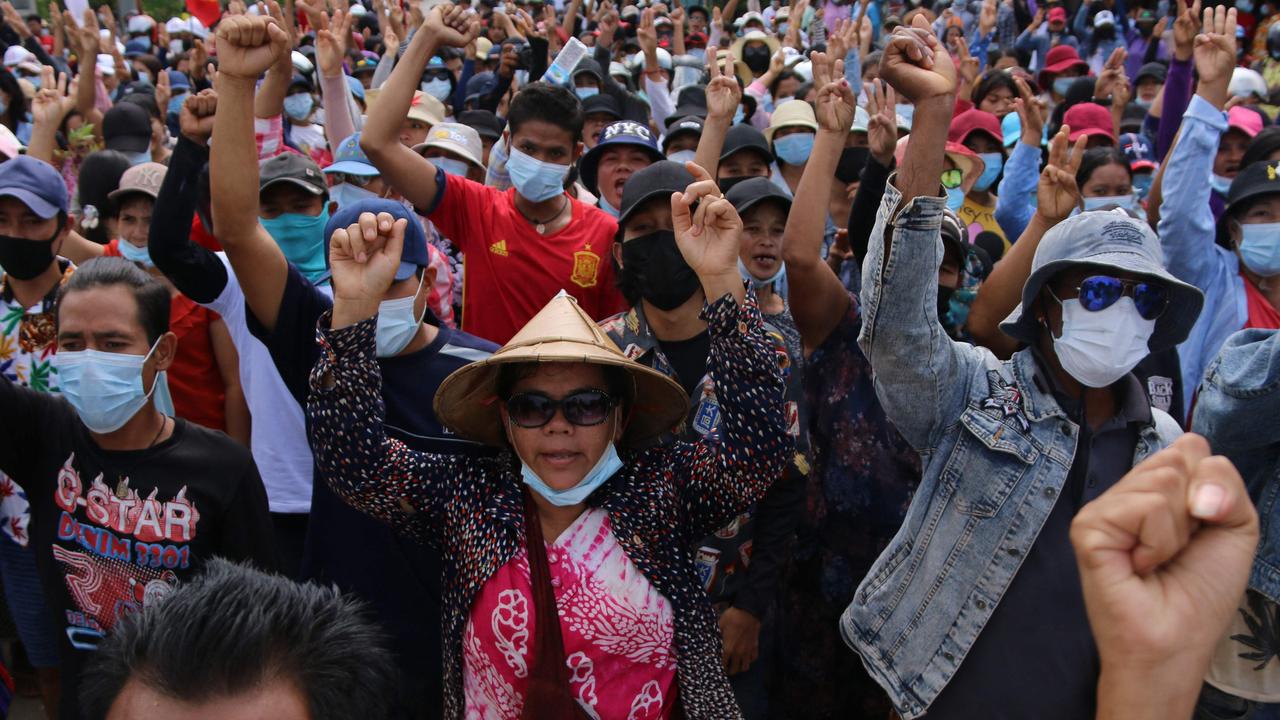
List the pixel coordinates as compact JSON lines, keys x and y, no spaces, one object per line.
{"x":425,"y":108}
{"x":145,"y":178}
{"x":467,"y":401}
{"x":792,"y":113}
{"x":770,"y":41}
{"x":458,"y":139}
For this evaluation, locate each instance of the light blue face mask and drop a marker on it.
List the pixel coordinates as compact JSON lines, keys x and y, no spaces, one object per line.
{"x":605,"y":206}
{"x":1220,"y":184}
{"x":739,"y":115}
{"x":438,"y":88}
{"x":683,"y":156}
{"x":534,"y":179}
{"x":450,"y":166}
{"x":398,"y":323}
{"x":1062,"y":85}
{"x":139,"y":158}
{"x":175,"y":104}
{"x":756,"y":282}
{"x":1260,"y":248}
{"x":298,"y":106}
{"x":955,"y":199}
{"x":1144,"y":103}
{"x":348,"y":194}
{"x":301,"y":237}
{"x":794,"y":149}
{"x":605,"y":468}
{"x":586,"y":92}
{"x":106,"y":388}
{"x":133,"y":253}
{"x":144,"y":77}
{"x":1128,"y":202}
{"x":991,"y":172}
{"x":906,"y":110}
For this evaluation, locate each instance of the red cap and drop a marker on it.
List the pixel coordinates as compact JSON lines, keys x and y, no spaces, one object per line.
{"x":1088,"y":119}
{"x":1057,"y":14}
{"x":971,"y":121}
{"x":1058,"y":59}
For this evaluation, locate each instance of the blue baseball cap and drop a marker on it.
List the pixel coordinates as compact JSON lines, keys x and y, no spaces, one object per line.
{"x":348,"y":158}
{"x":137,"y":46}
{"x":481,"y":84}
{"x":178,"y":80}
{"x":415,"y":254}
{"x":356,"y":87}
{"x":623,"y":132}
{"x":35,"y":183}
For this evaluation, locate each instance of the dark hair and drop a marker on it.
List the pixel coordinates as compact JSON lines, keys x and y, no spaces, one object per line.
{"x":991,"y":82}
{"x":16,"y":111}
{"x":997,"y":52}
{"x":146,"y":101}
{"x":151,"y":294}
{"x":548,"y":103}
{"x":1100,"y":157}
{"x":233,"y":629}
{"x":100,"y":174}
{"x":153,"y":65}
{"x":784,"y":75}
{"x":617,"y":381}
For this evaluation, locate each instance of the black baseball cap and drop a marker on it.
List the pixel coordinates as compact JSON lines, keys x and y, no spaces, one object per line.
{"x":744,"y":137}
{"x":692,"y":100}
{"x":590,"y":67}
{"x":127,"y":128}
{"x":601,"y":104}
{"x":1256,"y":180}
{"x":292,"y":168}
{"x":484,"y":122}
{"x":658,"y":180}
{"x":753,"y":191}
{"x":1155,"y":70}
{"x":691,"y":124}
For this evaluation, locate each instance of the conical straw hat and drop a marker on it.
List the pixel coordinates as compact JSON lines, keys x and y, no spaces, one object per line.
{"x":467,"y":401}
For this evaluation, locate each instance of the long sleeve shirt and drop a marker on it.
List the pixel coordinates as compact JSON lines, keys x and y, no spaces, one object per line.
{"x":1016,"y":198}
{"x":1177,"y":95}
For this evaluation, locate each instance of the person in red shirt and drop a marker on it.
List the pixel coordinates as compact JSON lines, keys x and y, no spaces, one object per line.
{"x":524,"y":245}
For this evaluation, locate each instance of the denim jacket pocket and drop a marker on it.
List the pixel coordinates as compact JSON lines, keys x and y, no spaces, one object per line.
{"x":884,"y":569}
{"x":990,"y":457}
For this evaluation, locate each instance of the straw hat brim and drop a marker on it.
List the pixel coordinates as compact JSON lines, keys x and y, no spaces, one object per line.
{"x":467,"y":401}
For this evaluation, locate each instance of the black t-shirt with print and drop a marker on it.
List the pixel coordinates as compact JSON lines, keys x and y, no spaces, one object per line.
{"x":113,"y":530}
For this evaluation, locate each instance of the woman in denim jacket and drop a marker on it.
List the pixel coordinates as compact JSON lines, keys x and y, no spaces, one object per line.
{"x":1001,"y":442}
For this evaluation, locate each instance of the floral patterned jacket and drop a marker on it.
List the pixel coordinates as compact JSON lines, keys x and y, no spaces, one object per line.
{"x":662,"y":500}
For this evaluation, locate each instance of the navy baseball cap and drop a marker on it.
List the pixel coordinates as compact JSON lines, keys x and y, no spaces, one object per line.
{"x":658,"y":180}
{"x":35,"y":183}
{"x":1139,"y":151}
{"x":623,"y":132}
{"x":480,"y":85}
{"x":415,"y":254}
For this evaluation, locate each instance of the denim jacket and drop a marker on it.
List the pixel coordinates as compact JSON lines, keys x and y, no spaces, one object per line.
{"x":1239,"y":413}
{"x":996,"y":450}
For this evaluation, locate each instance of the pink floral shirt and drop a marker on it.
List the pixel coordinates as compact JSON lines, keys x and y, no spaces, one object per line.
{"x":617,"y":629}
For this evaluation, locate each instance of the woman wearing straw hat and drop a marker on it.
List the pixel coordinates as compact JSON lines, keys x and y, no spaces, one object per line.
{"x":562,"y":531}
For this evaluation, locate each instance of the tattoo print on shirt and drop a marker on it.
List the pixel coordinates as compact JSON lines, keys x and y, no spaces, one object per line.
{"x":127,"y":549}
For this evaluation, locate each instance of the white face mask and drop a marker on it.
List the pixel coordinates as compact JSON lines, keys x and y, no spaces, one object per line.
{"x":1098,"y":348}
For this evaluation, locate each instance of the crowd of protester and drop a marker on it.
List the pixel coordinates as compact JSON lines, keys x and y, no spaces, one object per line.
{"x":450,"y":359}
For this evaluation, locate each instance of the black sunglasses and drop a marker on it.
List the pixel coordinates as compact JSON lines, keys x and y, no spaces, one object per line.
{"x":582,"y":408}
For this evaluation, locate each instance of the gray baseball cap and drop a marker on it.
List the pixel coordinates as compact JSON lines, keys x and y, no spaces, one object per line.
{"x":1107,"y":239}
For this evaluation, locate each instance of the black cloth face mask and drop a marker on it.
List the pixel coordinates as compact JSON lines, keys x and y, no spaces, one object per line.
{"x":26,"y":259}
{"x":852,"y":160}
{"x":654,"y":269}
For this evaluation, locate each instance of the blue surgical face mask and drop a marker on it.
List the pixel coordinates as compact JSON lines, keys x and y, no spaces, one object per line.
{"x":139,"y":158}
{"x":398,"y":323}
{"x":906,"y":110}
{"x":955,"y":199}
{"x":605,"y":468}
{"x":756,"y":282}
{"x":106,"y":388}
{"x":1142,"y":184}
{"x":534,"y":179}
{"x":298,"y":106}
{"x":586,"y":92}
{"x":1219,"y":183}
{"x":1128,"y":202}
{"x":994,"y":163}
{"x":133,"y":253}
{"x":683,"y":156}
{"x":144,"y":76}
{"x":348,"y":194}
{"x":1260,"y":248}
{"x":1144,"y":103}
{"x":605,"y":206}
{"x":1062,"y":85}
{"x":301,"y":238}
{"x":794,"y":149}
{"x":450,"y":166}
{"x":438,"y":88}
{"x":739,"y":115}
{"x":175,"y":104}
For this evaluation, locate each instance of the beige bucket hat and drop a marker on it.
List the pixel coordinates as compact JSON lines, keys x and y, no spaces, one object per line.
{"x":468,"y":403}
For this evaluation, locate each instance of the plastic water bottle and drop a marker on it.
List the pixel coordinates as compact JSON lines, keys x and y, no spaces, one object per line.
{"x":560,"y":72}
